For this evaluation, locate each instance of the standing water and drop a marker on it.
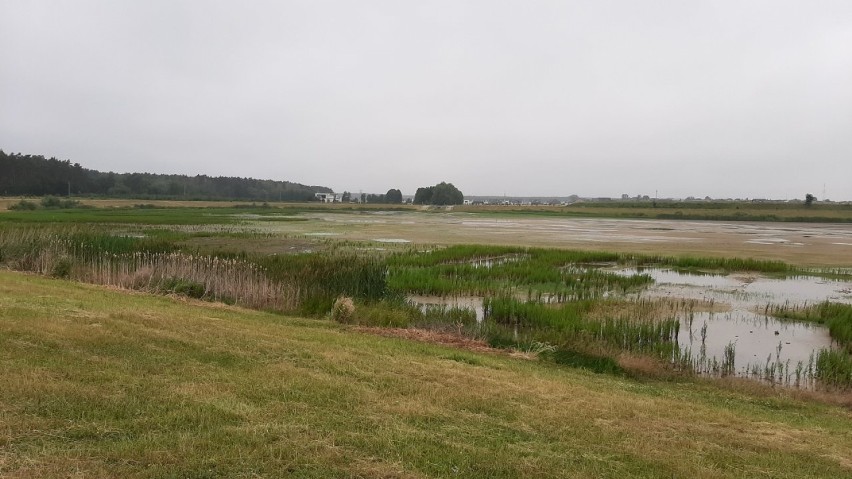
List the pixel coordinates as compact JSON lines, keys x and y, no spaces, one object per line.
{"x":745,"y":341}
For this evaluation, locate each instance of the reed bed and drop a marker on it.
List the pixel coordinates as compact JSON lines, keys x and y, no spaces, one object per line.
{"x":154,"y":263}
{"x":323,"y":278}
{"x":532,"y":321}
{"x":206,"y":277}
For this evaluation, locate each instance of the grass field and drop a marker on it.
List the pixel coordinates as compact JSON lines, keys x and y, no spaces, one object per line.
{"x":102,"y":383}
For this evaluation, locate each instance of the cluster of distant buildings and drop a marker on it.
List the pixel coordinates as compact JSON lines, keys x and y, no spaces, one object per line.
{"x":338,"y":198}
{"x":568,"y":200}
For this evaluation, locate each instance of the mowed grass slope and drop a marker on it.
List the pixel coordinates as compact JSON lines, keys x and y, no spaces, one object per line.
{"x":101,"y":383}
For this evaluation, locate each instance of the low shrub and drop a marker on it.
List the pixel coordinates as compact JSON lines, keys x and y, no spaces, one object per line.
{"x":183,"y":286}
{"x":343,"y":309}
{"x":62,"y":268}
{"x":23,"y":205}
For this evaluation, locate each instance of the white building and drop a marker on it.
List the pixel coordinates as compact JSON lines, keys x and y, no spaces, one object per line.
{"x":328,"y":197}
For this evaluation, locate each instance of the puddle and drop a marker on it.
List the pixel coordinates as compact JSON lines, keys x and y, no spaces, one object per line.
{"x":764,"y":347}
{"x":749,"y":293}
{"x":391,"y":240}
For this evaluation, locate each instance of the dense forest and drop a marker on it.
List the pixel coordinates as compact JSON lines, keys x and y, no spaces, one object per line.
{"x":36,"y":175}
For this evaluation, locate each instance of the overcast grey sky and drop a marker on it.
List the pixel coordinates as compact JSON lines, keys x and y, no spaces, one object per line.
{"x":597,"y":98}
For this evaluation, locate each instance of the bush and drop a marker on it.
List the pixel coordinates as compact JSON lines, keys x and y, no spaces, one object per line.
{"x":343,"y":310}
{"x":184,"y":287}
{"x":23,"y":205}
{"x":62,"y":268}
{"x":52,"y":202}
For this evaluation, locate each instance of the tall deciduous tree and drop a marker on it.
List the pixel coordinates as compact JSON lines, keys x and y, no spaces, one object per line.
{"x":423,"y":196}
{"x":441,"y":194}
{"x":809,"y":199}
{"x":393,"y":196}
{"x":447,"y":194}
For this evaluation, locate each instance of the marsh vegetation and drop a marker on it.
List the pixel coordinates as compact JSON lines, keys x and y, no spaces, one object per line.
{"x":566,"y":305}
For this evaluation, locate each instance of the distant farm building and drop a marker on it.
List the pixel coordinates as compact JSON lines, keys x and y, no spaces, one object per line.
{"x":328,"y":197}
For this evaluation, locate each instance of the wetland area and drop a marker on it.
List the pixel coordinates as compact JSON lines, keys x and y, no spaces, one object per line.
{"x":715,"y":298}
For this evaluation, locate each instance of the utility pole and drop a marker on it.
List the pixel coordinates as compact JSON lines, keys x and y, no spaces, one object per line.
{"x":69,"y":189}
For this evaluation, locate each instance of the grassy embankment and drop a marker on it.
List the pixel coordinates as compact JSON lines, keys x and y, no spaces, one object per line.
{"x":101,"y":383}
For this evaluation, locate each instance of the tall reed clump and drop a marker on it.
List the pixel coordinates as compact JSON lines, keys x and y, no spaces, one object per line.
{"x":36,"y":248}
{"x":228,"y":280}
{"x":323,"y":278}
{"x":513,"y":320}
{"x":834,"y":368}
{"x":718,"y":264}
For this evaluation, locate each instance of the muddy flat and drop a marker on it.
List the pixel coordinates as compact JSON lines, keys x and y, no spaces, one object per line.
{"x":800,"y":243}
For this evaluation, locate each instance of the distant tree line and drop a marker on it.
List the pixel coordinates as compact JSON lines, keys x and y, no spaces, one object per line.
{"x":440,"y":194}
{"x":36,"y":175}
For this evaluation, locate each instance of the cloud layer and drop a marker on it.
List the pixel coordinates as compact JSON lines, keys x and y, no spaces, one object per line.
{"x":597,"y":98}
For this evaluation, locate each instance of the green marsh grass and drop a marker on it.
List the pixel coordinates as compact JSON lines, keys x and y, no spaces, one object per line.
{"x":572,"y":330}
{"x":834,"y":368}
{"x":479,"y":269}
